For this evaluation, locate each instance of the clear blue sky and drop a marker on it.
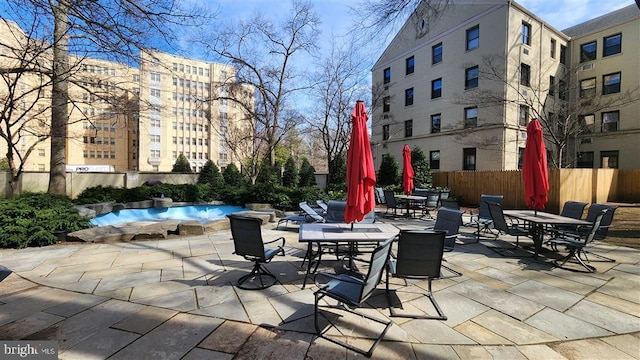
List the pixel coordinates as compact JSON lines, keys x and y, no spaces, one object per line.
{"x":336,"y":18}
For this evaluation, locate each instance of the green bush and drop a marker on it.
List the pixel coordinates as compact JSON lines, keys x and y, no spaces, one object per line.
{"x":30,"y":219}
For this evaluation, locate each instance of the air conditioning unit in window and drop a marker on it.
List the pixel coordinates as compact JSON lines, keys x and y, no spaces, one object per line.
{"x":586,"y":67}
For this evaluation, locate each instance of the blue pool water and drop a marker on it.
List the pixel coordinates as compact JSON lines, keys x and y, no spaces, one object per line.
{"x":201,"y":213}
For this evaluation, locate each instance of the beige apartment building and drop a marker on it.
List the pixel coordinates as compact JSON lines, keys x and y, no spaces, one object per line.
{"x":123,"y":118}
{"x":462,"y":82}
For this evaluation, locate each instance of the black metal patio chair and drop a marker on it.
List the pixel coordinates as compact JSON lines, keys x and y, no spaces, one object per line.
{"x":351,"y":292}
{"x":419,"y":256}
{"x":247,"y":240}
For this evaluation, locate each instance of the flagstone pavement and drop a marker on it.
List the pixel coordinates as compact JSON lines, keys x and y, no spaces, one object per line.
{"x":176,"y":299}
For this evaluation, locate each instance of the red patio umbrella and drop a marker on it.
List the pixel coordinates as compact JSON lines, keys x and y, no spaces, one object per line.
{"x":535,"y":173}
{"x":407,"y":172}
{"x":361,"y":174}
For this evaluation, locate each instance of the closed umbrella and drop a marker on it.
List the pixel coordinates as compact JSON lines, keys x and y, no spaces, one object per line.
{"x":407,"y":172}
{"x":534,"y":168}
{"x":361,"y":174}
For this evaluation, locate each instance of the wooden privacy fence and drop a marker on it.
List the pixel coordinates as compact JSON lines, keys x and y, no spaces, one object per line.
{"x":588,"y":185}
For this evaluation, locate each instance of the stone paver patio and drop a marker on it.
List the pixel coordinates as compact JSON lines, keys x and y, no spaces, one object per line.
{"x":175,"y":299}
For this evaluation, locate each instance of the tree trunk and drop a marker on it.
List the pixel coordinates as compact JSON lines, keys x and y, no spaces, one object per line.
{"x":59,"y":100}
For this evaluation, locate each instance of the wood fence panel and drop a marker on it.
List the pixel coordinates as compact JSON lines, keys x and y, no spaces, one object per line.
{"x":628,"y":185}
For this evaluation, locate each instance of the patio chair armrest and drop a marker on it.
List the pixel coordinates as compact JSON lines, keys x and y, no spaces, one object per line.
{"x":278,"y":239}
{"x":331,"y":276}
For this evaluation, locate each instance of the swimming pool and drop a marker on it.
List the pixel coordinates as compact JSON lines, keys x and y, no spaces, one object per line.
{"x":201,"y":213}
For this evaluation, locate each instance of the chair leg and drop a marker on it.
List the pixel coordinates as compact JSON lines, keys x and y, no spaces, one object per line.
{"x":574,"y":254}
{"x":429,"y":295}
{"x":321,"y":333}
{"x":258,"y":272}
{"x":602,"y":257}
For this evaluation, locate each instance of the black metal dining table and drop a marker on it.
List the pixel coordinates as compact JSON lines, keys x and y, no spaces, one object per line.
{"x":538,"y":220}
{"x":333,"y":234}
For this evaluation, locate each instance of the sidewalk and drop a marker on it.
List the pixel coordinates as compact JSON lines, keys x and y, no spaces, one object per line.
{"x":174,"y":299}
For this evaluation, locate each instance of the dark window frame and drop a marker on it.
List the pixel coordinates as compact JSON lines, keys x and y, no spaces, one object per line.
{"x":610,"y":154}
{"x":436,"y":123}
{"x":586,"y":53}
{"x":473,"y":38}
{"x":386,"y":75}
{"x":386,"y":104}
{"x":436,"y":54}
{"x":525,"y":37}
{"x":471,"y":83}
{"x":408,"y":128}
{"x":552,"y":48}
{"x":470,"y":122}
{"x":585,"y":160}
{"x":408,"y":97}
{"x":469,"y":154}
{"x":436,"y":92}
{"x":385,"y":132}
{"x":434,"y":164}
{"x":410,"y":65}
{"x":525,"y":74}
{"x":552,"y":85}
{"x":590,"y":91}
{"x":616,"y":48}
{"x":523,"y":120}
{"x":605,"y":126}
{"x":613,"y":88}
{"x":582,"y":119}
{"x":563,"y":54}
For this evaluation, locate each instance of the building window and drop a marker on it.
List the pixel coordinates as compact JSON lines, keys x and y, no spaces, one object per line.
{"x":552,"y":49}
{"x":469,"y":159}
{"x":471,"y":78}
{"x":588,"y":51}
{"x":525,"y":74}
{"x":410,"y":63}
{"x":436,"y":54}
{"x":609,"y":159}
{"x":552,"y":85}
{"x":434,"y":160}
{"x":41,"y":152}
{"x":585,"y":160}
{"x":385,"y":132}
{"x":587,"y":87}
{"x":562,"y":90}
{"x":563,"y":54}
{"x":612,"y":45}
{"x":155,"y":76}
{"x":435,"y":123}
{"x":408,"y":97}
{"x":610,"y":121}
{"x":520,"y":157}
{"x":587,"y":122}
{"x":387,"y":75}
{"x":611,"y":83}
{"x":526,"y":33}
{"x":523,"y":119}
{"x":436,"y":88}
{"x":408,"y":128}
{"x":386,"y":104}
{"x":473,"y":37}
{"x":471,"y":117}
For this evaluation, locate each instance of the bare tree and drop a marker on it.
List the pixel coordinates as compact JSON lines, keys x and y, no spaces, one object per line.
{"x":340,"y":82}
{"x":107,"y":29}
{"x":26,"y":78}
{"x":264,"y":53}
{"x":560,"y":107}
{"x":380,"y":19}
